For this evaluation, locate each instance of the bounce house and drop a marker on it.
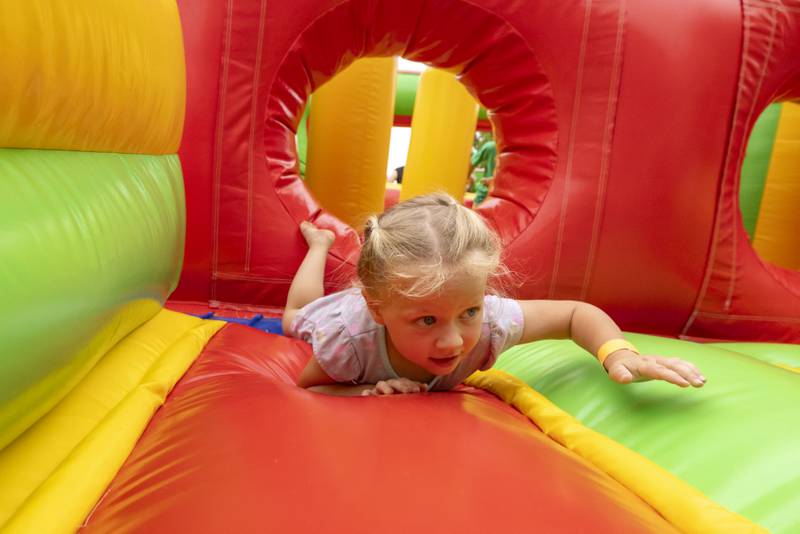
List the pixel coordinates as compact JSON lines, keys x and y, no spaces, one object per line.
{"x":149,"y":179}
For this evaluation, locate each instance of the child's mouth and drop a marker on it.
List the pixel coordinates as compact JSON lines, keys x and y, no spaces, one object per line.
{"x":444,"y":362}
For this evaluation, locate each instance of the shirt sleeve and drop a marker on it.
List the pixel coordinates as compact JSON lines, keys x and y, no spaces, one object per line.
{"x":505,"y":320}
{"x":320,"y":324}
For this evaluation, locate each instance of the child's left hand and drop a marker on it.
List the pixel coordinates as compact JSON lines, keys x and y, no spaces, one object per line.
{"x":625,"y":366}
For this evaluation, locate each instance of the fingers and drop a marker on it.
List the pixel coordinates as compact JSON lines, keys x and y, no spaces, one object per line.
{"x":316,"y":236}
{"x":672,"y":370}
{"x":396,"y":385}
{"x":621,"y":374}
{"x":383,"y":388}
{"x":685,"y":370}
{"x":652,"y":369}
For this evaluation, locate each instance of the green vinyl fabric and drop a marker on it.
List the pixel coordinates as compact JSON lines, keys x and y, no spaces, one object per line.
{"x":91,"y":246}
{"x":774,"y":353}
{"x":736,"y":439}
{"x":755,"y":166}
{"x":406,"y":95}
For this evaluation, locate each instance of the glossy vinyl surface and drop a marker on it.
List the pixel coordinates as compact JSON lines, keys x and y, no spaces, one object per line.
{"x":621,"y":128}
{"x":239,"y":448}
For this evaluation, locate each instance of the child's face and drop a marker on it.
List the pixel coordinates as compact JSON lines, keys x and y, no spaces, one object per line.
{"x":435,"y":333}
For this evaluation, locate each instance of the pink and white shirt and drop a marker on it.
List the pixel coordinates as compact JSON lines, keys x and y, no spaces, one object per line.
{"x":351,"y":347}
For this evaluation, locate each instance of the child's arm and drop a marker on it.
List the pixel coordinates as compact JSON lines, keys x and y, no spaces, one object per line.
{"x":315,"y":379}
{"x":590,"y":327}
{"x":307,"y":282}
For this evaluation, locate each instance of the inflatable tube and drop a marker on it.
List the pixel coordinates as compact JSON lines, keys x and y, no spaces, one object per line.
{"x":407,"y":87}
{"x":348,"y":146}
{"x":441,"y":137}
{"x":91,"y":193}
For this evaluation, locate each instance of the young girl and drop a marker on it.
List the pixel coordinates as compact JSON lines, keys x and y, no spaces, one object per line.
{"x":421,"y":319}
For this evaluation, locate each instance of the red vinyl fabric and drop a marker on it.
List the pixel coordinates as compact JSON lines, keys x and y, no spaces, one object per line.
{"x":620,"y":126}
{"x":739,"y":290}
{"x":239,"y":448}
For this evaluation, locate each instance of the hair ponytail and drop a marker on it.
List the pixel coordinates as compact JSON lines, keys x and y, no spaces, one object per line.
{"x":415,"y":246}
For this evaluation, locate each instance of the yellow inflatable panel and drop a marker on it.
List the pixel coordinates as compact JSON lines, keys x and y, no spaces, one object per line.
{"x":350,"y":125}
{"x":21,"y":412}
{"x":777,"y":235}
{"x":442,"y":126}
{"x":680,"y":503}
{"x":56,"y":471}
{"x":92,"y":75}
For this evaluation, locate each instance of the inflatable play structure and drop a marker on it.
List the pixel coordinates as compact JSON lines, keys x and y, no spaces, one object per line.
{"x":149,"y":154}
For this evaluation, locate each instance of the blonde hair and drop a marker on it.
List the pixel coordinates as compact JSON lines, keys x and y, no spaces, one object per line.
{"x":416,"y":246}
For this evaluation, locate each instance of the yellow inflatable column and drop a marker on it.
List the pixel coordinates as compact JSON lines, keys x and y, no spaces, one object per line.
{"x":348,"y":140}
{"x":442,"y":127}
{"x":777,"y":235}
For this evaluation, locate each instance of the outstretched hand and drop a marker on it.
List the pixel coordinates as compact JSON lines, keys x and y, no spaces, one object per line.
{"x":395,"y":385}
{"x":625,"y":366}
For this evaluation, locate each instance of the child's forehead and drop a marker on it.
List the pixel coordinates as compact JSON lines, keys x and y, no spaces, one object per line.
{"x":456,"y":293}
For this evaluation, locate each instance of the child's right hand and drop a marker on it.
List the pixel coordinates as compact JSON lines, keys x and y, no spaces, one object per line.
{"x":317,"y":236}
{"x":624,"y":366}
{"x":395,"y":385}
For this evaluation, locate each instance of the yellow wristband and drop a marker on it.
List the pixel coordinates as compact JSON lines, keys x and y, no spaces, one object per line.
{"x":613,"y":345}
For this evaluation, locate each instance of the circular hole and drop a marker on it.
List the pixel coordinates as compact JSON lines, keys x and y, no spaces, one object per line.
{"x":770,"y":185}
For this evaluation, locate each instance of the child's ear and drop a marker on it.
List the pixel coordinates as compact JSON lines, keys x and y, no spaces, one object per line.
{"x":373,"y":307}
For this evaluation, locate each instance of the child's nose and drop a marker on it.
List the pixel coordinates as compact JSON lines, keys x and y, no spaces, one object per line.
{"x":450,"y":340}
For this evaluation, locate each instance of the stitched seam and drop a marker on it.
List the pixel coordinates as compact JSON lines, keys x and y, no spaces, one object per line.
{"x":762,"y":74}
{"x":217,"y":178}
{"x":570,"y":147}
{"x":771,"y":318}
{"x":712,"y":252}
{"x":605,"y":151}
{"x":250,"y":144}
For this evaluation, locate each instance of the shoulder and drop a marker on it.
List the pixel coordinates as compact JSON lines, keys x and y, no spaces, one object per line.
{"x":334,"y":325}
{"x":502,"y":312}
{"x":503,"y":324}
{"x":329,"y":310}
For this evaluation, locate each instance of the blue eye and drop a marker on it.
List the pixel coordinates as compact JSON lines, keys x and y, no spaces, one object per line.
{"x":428,"y":320}
{"x":472,"y":312}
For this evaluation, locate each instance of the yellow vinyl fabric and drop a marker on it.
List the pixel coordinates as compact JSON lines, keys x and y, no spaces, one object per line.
{"x":442,"y":127}
{"x":350,"y":125}
{"x":92,"y":75}
{"x":55,"y":472}
{"x":681,"y":504}
{"x":22,"y":411}
{"x":777,"y":234}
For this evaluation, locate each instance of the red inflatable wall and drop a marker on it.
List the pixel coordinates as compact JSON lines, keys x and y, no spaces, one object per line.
{"x":621,"y":129}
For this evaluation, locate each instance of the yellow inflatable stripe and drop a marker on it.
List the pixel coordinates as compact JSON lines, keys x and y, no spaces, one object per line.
{"x":55,"y":473}
{"x":788,"y":368}
{"x":350,"y":125}
{"x":442,"y":128}
{"x":678,"y":502}
{"x":776,"y":237}
{"x":92,"y":75}
{"x":23,"y":411}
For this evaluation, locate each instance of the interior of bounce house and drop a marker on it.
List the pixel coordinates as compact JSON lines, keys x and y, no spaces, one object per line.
{"x":159,"y":157}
